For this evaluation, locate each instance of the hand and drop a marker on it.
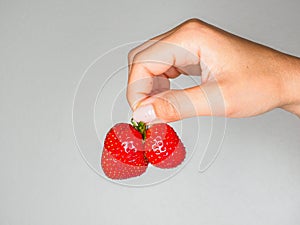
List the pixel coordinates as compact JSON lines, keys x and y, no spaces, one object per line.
{"x":239,"y":78}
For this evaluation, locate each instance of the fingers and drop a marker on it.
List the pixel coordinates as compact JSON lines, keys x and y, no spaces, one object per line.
{"x":153,"y":63}
{"x":165,"y":58}
{"x":175,"y":105}
{"x":147,"y":44}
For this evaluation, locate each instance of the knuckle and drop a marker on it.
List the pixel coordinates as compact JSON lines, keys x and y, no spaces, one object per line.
{"x":131,"y":54}
{"x":191,"y":28}
{"x":192,"y":23}
{"x":138,"y":57}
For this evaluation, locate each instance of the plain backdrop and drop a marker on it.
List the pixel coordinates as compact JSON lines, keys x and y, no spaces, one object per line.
{"x":45,"y":46}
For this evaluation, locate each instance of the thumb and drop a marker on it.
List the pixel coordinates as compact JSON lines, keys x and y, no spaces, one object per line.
{"x":173,"y":105}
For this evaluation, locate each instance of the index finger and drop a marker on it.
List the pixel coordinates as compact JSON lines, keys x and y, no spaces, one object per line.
{"x":164,"y":57}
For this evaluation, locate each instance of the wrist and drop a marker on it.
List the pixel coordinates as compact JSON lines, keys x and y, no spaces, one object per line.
{"x":291,"y":84}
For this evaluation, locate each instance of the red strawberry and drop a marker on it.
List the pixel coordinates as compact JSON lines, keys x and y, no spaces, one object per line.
{"x":123,"y":153}
{"x":163,"y":147}
{"x":128,"y":149}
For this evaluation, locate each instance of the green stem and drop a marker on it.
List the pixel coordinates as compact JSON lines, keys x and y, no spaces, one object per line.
{"x":140,"y":126}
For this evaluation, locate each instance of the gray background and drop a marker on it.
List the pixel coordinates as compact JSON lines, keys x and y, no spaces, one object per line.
{"x":44,"y":48}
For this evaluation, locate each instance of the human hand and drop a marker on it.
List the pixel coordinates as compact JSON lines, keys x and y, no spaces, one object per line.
{"x":239,"y":78}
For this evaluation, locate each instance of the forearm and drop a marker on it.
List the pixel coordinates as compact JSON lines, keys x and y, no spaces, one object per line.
{"x":290,"y":69}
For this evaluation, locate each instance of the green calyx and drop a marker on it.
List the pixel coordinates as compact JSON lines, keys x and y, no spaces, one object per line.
{"x":140,"y":126}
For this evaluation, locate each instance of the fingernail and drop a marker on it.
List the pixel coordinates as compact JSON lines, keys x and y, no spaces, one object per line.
{"x":144,"y":113}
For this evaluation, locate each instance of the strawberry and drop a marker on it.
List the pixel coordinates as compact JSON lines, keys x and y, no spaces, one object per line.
{"x":123,"y":156}
{"x":163,"y":147}
{"x":129,"y":148}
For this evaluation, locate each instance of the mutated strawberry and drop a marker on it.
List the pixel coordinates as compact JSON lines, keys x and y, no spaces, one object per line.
{"x":123,"y":152}
{"x":129,"y":148}
{"x":163,"y":148}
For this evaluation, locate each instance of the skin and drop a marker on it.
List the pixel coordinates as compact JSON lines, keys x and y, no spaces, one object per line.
{"x":239,"y":78}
